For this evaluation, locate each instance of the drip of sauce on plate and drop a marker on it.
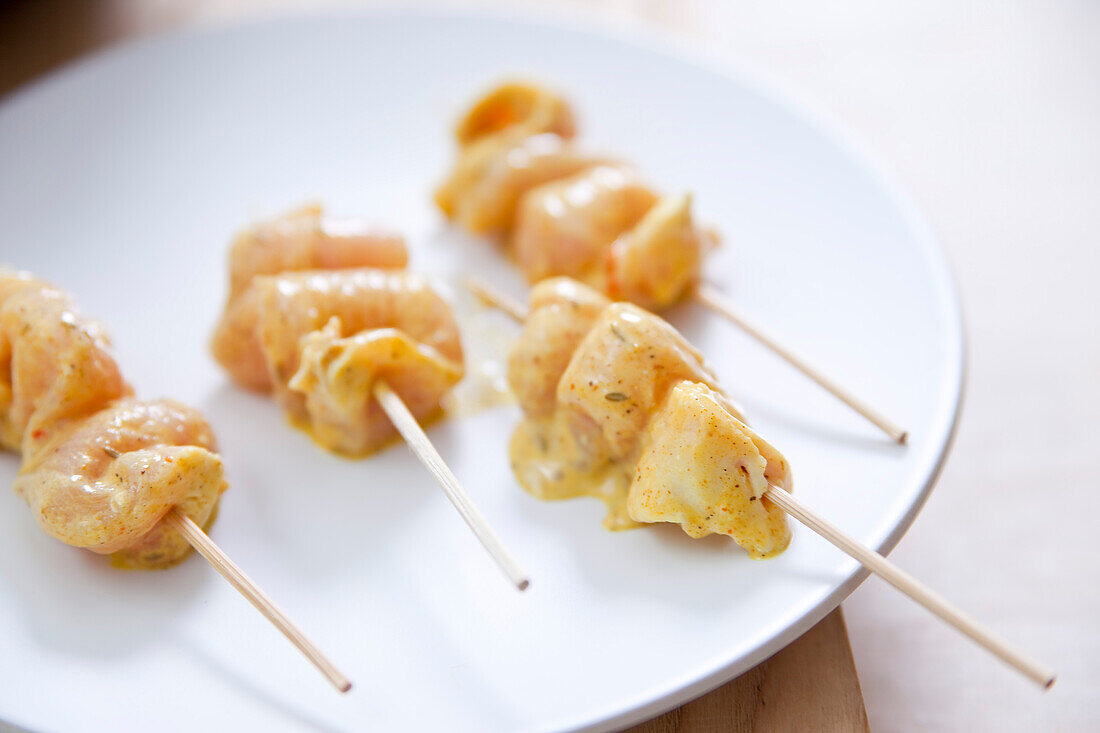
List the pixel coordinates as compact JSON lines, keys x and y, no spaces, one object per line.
{"x":551,"y":465}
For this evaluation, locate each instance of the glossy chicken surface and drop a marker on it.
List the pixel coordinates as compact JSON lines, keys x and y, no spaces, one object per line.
{"x":489,"y":179}
{"x":302,"y":239}
{"x":561,"y":314}
{"x":515,"y":108}
{"x":635,"y":418}
{"x":86,"y":497}
{"x":327,"y":336}
{"x":704,"y":469}
{"x":519,"y":176}
{"x":565,"y":227}
{"x":55,"y":364}
{"x":620,"y":375}
{"x":306,"y":239}
{"x":318,"y":339}
{"x":337,"y":373}
{"x":100,"y":468}
{"x":654,"y":263}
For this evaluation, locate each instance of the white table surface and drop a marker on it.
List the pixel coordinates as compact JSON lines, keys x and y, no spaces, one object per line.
{"x":989,"y":114}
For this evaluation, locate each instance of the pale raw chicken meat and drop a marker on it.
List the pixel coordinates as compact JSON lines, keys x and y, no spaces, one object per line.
{"x":500,"y":120}
{"x":336,"y":376}
{"x":619,"y":406}
{"x":621,"y":372}
{"x":489,"y":180}
{"x":657,"y":262}
{"x":566,"y":227}
{"x":302,"y":239}
{"x":306,"y":239}
{"x":105,"y":482}
{"x":100,"y":469}
{"x":516,"y":107}
{"x":560,"y":314}
{"x":315,"y":335}
{"x":563,"y":213}
{"x":704,"y":469}
{"x":54,"y":363}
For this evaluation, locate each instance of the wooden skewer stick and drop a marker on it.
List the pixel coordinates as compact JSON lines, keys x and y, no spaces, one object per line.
{"x":228,"y":569}
{"x":712,"y":298}
{"x":870,"y":559}
{"x":501,"y":302}
{"x":914,"y":589}
{"x":421,"y":445}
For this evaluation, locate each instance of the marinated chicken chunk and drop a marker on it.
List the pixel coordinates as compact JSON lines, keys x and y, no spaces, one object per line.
{"x":497,"y":124}
{"x":588,"y":380}
{"x":105,"y":482}
{"x":306,"y":239}
{"x":100,"y":469}
{"x":324,"y":336}
{"x":54,"y":363}
{"x":303,"y":239}
{"x":565,"y":227}
{"x":561,"y":314}
{"x":620,"y":374}
{"x":336,"y":376}
{"x":519,"y":108}
{"x":490,"y":179}
{"x":564,"y":213}
{"x":657,"y":262}
{"x":620,"y":407}
{"x":704,"y":469}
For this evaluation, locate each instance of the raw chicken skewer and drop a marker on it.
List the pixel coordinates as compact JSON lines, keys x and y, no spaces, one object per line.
{"x":247,"y":587}
{"x":571,"y":306}
{"x":356,"y":354}
{"x":565,"y":212}
{"x":101,"y":470}
{"x":421,"y":445}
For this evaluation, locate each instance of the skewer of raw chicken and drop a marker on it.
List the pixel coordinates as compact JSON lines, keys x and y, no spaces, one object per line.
{"x":618,"y":405}
{"x":134,"y":479}
{"x":357,"y":350}
{"x":562,"y":211}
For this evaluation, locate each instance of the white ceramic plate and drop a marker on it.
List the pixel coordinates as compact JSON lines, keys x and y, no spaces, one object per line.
{"x":122,"y":178}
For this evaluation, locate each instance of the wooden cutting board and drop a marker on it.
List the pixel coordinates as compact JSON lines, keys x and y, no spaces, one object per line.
{"x":809,"y":685}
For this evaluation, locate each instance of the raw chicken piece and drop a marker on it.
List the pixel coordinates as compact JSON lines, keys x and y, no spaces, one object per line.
{"x":489,"y":180}
{"x":566,"y":213}
{"x":302,"y":239}
{"x":498,"y":122}
{"x":100,"y":469}
{"x":234,"y":344}
{"x":621,"y":372}
{"x":54,"y":363}
{"x":619,"y":406}
{"x":316,"y":336}
{"x":305,"y":239}
{"x":566,"y":227}
{"x":86,"y":497}
{"x":516,"y":107}
{"x":704,"y":469}
{"x":561,"y":313}
{"x":337,"y":374}
{"x":654,"y":264}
